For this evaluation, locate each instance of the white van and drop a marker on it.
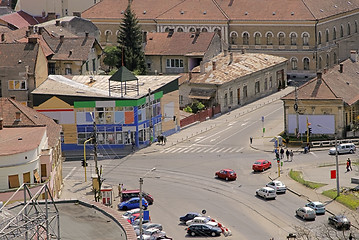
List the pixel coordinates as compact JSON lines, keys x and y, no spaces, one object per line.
{"x":343,"y":148}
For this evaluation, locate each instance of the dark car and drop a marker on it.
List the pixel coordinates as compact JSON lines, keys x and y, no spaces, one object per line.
{"x":339,"y":222}
{"x":261,"y":165}
{"x":128,"y":194}
{"x":203,"y":230}
{"x":189,"y":216}
{"x":226,"y":174}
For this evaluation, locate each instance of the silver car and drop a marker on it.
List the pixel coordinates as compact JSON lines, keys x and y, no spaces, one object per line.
{"x":278,"y":186}
{"x":306,"y":213}
{"x":318,"y":207}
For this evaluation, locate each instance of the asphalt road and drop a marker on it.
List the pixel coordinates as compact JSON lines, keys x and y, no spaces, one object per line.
{"x":184,"y":179}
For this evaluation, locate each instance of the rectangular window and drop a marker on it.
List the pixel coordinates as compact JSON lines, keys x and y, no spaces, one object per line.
{"x":257,"y":87}
{"x":94,"y":65}
{"x":225,"y":100}
{"x":174,"y":63}
{"x":87,"y":66}
{"x":14,"y":181}
{"x":17,"y":85}
{"x":231,"y":97}
{"x":245,"y":93}
{"x":26,"y":177}
{"x":266,"y":84}
{"x":270,"y":82}
{"x":43,"y":170}
{"x":181,"y":99}
{"x":52,"y":68}
{"x":68,"y":71}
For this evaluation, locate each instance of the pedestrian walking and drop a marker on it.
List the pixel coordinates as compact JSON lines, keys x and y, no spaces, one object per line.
{"x":287,"y":153}
{"x":281,"y":153}
{"x":291,"y":155}
{"x":250,"y":140}
{"x":350,"y":164}
{"x":164,"y":140}
{"x":308,"y":146}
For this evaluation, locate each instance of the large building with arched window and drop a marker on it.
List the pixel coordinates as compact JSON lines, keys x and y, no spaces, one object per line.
{"x":313,"y":34}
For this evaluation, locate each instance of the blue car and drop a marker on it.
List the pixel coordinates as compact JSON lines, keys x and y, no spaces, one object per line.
{"x":132,"y":203}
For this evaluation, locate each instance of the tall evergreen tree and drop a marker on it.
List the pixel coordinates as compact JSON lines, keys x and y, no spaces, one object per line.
{"x":130,"y":43}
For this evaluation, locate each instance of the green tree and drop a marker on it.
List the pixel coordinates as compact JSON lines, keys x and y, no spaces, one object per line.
{"x":130,"y":43}
{"x":111,"y":57}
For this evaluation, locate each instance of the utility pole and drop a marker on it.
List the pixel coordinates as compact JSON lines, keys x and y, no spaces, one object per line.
{"x":97,"y":191}
{"x":296,"y":110}
{"x":150,"y":109}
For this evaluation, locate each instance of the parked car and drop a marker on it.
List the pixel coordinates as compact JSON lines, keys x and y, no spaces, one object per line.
{"x":128,"y":194}
{"x":203,"y":230}
{"x":266,"y":192}
{"x":129,"y":213}
{"x":133,"y":203}
{"x":151,"y":233}
{"x":147,"y":226}
{"x":339,"y":222}
{"x":343,"y":148}
{"x":306,"y":213}
{"x":226,"y":174}
{"x":278,"y":186}
{"x":318,"y":207}
{"x":137,"y":222}
{"x":261,"y":165}
{"x":205,"y":220}
{"x":189,"y":216}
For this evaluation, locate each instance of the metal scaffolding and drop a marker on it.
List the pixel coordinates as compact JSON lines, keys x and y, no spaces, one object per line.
{"x":38,"y":217}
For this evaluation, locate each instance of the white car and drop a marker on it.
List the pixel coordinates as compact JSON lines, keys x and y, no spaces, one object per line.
{"x":204,"y":220}
{"x":278,"y":186}
{"x":151,"y":233}
{"x":266,"y":192}
{"x":318,"y":207}
{"x":343,"y":148}
{"x":305,"y":213}
{"x":129,"y":213}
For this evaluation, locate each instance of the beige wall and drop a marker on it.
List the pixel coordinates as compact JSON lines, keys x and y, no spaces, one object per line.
{"x":41,"y":71}
{"x":167,"y":122}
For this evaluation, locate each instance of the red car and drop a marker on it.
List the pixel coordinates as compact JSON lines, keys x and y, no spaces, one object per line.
{"x":227,"y":174}
{"x":261,"y":165}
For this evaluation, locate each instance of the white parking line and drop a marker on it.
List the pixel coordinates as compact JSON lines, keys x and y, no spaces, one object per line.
{"x":315,"y":155}
{"x":68,"y":175}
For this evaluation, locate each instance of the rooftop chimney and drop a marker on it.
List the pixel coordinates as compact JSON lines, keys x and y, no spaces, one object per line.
{"x":17,"y":116}
{"x":86,"y":34}
{"x":213,"y":65}
{"x":1,"y":124}
{"x":319,"y":77}
{"x":51,"y":16}
{"x":170,"y":33}
{"x":354,"y":55}
{"x":31,"y":29}
{"x":40,"y":30}
{"x":62,"y":38}
{"x":32,"y":40}
{"x":341,"y":68}
{"x":77,"y":14}
{"x":57,"y":23}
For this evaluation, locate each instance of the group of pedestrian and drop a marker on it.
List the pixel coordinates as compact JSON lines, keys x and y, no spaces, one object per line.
{"x":288,"y":153}
{"x":349,"y":165}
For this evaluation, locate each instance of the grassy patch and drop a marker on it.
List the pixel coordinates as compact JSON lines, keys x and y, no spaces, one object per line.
{"x":297,"y":176}
{"x":347,"y":198}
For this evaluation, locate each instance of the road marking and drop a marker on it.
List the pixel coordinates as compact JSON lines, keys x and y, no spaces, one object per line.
{"x":214,"y":149}
{"x":226,"y":150}
{"x":239,"y":150}
{"x":214,"y":139}
{"x":315,"y":155}
{"x":68,"y":175}
{"x":245,"y":123}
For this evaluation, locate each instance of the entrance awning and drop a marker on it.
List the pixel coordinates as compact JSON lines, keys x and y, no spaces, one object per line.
{"x":205,"y":94}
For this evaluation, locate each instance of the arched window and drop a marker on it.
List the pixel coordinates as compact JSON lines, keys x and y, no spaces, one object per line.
{"x":334,"y":58}
{"x":179,"y":29}
{"x":257,"y":38}
{"x":356,"y":27}
{"x":306,"y":63}
{"x":234,"y":37}
{"x":327,"y":61}
{"x":204,"y":30}
{"x":334,"y":33}
{"x":327,"y":35}
{"x":245,"y":38}
{"x":2,"y":37}
{"x":107,"y":35}
{"x":192,"y":29}
{"x":293,"y":39}
{"x":348,"y":29}
{"x":320,"y":63}
{"x":305,"y":39}
{"x":341,"y":31}
{"x":269,"y":38}
{"x":281,"y":38}
{"x":294,"y":63}
{"x":320,"y":38}
{"x":167,"y":29}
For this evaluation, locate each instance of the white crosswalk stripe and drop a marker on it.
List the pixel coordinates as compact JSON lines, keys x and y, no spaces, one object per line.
{"x":202,"y":149}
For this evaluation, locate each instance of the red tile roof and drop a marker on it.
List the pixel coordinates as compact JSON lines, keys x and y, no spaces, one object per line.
{"x":29,"y":117}
{"x":334,"y":85}
{"x":19,"y":19}
{"x":20,"y":139}
{"x":180,"y":43}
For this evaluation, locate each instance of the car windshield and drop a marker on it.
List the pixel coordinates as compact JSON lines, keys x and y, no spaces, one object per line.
{"x":319,"y":205}
{"x":231,"y":172}
{"x":258,"y":163}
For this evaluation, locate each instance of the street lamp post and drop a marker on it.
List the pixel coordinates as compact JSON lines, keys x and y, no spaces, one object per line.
{"x":141,"y":210}
{"x":336,"y":160}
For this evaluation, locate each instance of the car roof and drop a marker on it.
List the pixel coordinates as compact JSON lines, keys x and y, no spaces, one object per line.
{"x":317,"y":203}
{"x":276,"y":181}
{"x":267,"y":188}
{"x":228,"y":169}
{"x":307,"y":208}
{"x":261,"y":160}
